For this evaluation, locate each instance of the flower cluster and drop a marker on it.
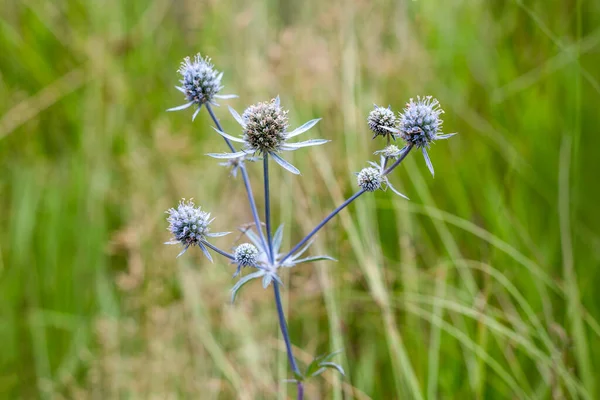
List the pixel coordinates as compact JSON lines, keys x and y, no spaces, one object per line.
{"x":264,"y":134}
{"x":418,"y":125}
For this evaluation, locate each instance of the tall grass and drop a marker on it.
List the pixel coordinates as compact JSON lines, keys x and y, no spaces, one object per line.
{"x":482,"y":286}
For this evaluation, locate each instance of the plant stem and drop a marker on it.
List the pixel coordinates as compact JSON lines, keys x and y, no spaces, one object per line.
{"x":218,"y":250}
{"x":321,"y":224}
{"x":341,"y":207}
{"x":286,"y":338}
{"x":268,"y":207}
{"x":244,"y":177}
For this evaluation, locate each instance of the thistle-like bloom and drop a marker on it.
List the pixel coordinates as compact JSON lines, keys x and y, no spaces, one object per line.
{"x":380,"y":119}
{"x":246,"y":255}
{"x":369,"y":179}
{"x":200,"y":83}
{"x":265,"y":132}
{"x":372,"y":178}
{"x":420,"y":124}
{"x":189,"y":226}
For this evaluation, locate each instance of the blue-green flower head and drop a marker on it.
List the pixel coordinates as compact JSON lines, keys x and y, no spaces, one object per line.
{"x":189,"y":225}
{"x":199,"y":79}
{"x":266,"y":123}
{"x":246,"y":255}
{"x":420,"y":122}
{"x":200,"y":83}
{"x":265,"y":132}
{"x":369,"y":179}
{"x":380,"y":120}
{"x":420,"y":125}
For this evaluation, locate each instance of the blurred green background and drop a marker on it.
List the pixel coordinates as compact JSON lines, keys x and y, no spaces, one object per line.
{"x":483,"y":286}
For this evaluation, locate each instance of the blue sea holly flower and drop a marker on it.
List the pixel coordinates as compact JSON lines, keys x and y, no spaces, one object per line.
{"x":265,"y":132}
{"x":420,"y":125}
{"x":200,"y":83}
{"x":246,"y":255}
{"x":189,"y":226}
{"x":380,"y":119}
{"x":372,"y":178}
{"x":369,"y":179}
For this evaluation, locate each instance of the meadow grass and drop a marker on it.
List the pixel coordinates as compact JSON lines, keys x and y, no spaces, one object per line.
{"x":482,"y":286}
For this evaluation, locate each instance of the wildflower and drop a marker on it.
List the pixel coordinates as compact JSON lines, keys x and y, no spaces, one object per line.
{"x":420,"y":124}
{"x":189,"y":226}
{"x":265,"y":132}
{"x":380,"y":119}
{"x":372,"y":178}
{"x":200,"y":83}
{"x":369,"y":179}
{"x":246,"y":255}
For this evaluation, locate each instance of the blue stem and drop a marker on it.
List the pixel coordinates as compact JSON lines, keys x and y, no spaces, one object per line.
{"x":218,"y":250}
{"x":244,"y":177}
{"x":321,"y":224}
{"x":268,"y":207}
{"x":286,"y":338}
{"x":341,"y":207}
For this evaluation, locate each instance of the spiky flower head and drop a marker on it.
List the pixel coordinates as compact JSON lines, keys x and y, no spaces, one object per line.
{"x":189,"y":226}
{"x":369,"y":179}
{"x":200,"y":83}
{"x":246,"y":255}
{"x":420,"y":122}
{"x":381,"y":118}
{"x":266,"y":123}
{"x":375,"y":177}
{"x":188,"y":223}
{"x":391,"y":151}
{"x":199,"y":79}
{"x":265,"y":132}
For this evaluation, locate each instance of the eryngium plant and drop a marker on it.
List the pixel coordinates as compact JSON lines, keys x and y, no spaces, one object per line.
{"x":265,"y":135}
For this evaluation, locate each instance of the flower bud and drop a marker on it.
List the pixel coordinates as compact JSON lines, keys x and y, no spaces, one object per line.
{"x":246,"y":255}
{"x":381,"y":118}
{"x":369,"y":179}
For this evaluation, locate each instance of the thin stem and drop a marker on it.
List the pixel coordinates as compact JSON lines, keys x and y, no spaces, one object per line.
{"x":219,"y":127}
{"x":341,"y":207}
{"x":218,"y":250}
{"x":321,"y":224}
{"x":286,"y":338}
{"x":253,"y":206}
{"x":268,"y":206}
{"x":245,"y":178}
